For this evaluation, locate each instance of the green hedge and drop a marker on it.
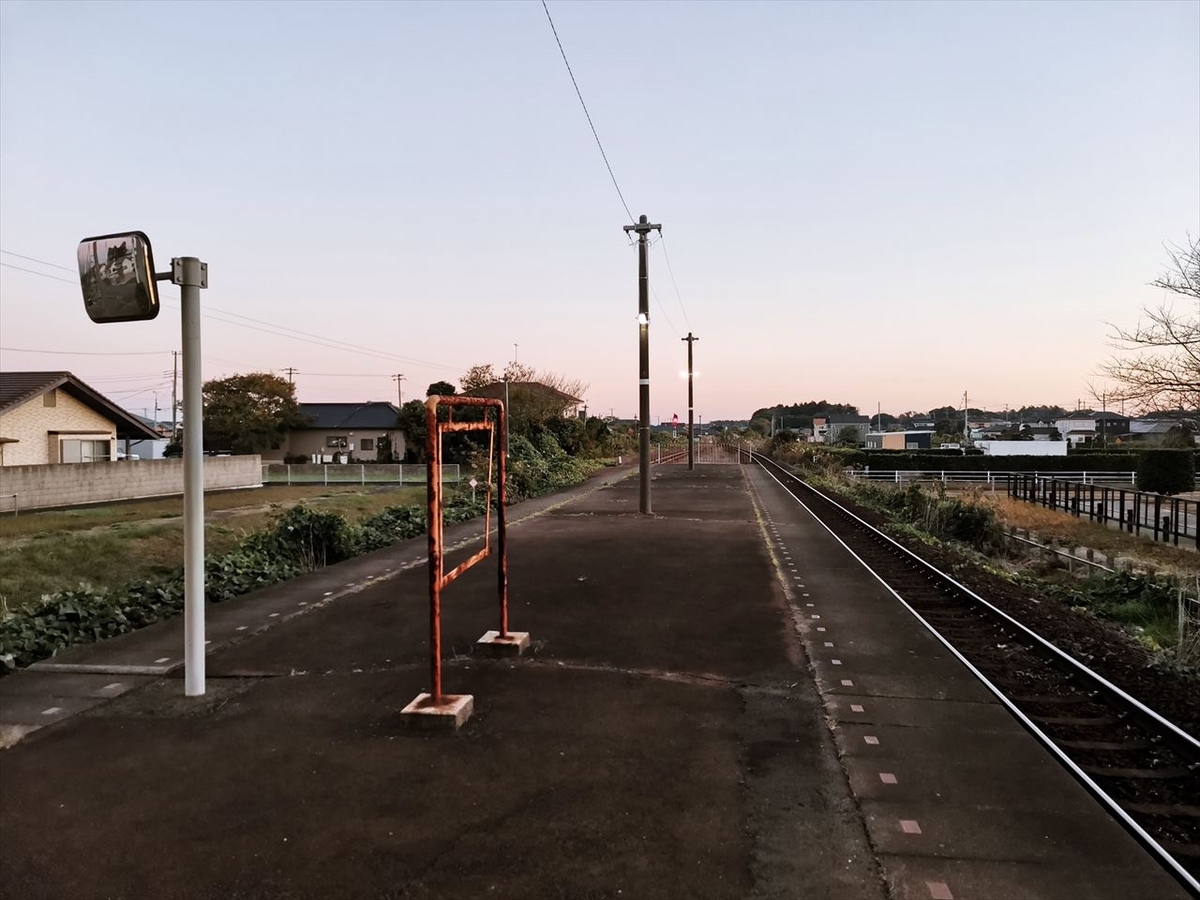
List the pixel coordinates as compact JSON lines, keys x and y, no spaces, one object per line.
{"x":936,"y":462}
{"x":1165,"y":471}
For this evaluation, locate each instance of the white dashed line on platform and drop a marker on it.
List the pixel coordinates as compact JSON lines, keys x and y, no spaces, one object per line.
{"x":871,"y":739}
{"x":54,"y":710}
{"x":910,"y":826}
{"x":887,"y":777}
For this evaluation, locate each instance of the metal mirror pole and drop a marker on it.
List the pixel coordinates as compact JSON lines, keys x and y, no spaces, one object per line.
{"x":191,"y":275}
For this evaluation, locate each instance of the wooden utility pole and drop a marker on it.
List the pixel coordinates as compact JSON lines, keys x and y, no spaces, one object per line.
{"x":643,"y":228}
{"x":691,"y":339}
{"x":290,"y":372}
{"x":399,"y":379}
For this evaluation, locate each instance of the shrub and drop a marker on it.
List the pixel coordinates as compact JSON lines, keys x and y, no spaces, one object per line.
{"x":301,"y":539}
{"x":934,"y":511}
{"x":1164,"y":471}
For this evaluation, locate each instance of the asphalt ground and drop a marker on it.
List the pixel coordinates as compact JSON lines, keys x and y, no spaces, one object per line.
{"x":661,"y":738}
{"x":691,"y":720}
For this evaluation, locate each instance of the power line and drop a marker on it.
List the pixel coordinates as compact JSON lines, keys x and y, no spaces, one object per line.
{"x":579,"y":94}
{"x":673,"y":282}
{"x":279,"y":330}
{"x":662,"y":309}
{"x":43,"y":274}
{"x":85,"y":352}
{"x":341,"y":374}
{"x":36,"y":260}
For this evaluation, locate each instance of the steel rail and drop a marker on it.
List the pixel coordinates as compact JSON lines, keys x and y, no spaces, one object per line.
{"x":1169,"y":861}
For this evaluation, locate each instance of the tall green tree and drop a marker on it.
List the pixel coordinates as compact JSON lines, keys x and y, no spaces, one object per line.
{"x":249,"y":413}
{"x":441,"y":389}
{"x":413,"y":424}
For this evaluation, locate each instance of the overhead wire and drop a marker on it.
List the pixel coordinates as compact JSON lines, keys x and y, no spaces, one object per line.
{"x":86,"y":352}
{"x":36,"y":272}
{"x":36,"y":260}
{"x":674,"y":283}
{"x":607,"y":165}
{"x":272,"y":328}
{"x":579,"y":94}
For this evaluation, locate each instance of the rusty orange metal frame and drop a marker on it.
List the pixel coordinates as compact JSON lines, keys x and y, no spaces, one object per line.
{"x":438,"y":578}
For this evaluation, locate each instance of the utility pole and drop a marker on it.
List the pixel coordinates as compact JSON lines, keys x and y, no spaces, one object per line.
{"x":175,"y":394}
{"x":290,"y":372}
{"x":691,"y":339}
{"x":966,"y":425}
{"x":399,"y":379}
{"x":643,"y":228}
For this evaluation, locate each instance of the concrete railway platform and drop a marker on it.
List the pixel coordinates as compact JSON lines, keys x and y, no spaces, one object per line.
{"x":719,"y":702}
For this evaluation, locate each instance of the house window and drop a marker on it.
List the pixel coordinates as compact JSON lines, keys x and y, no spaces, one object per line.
{"x":366,"y":444}
{"x":84,"y":451}
{"x":336,"y":440}
{"x":50,"y":398}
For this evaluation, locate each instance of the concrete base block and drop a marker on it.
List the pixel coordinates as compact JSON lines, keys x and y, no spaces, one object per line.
{"x":513,"y":644}
{"x":450,"y":714}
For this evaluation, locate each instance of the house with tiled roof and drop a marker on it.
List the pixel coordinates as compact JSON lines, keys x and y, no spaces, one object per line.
{"x":343,"y":431}
{"x":53,"y":417}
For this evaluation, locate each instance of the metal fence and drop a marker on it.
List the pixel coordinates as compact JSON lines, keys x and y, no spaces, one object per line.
{"x":1169,"y":519}
{"x":984,"y":478}
{"x":352,"y":473}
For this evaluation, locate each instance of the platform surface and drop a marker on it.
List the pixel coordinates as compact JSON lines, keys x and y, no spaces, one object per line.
{"x":678,"y":728}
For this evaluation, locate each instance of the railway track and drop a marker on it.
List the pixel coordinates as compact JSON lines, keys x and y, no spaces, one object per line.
{"x":1143,"y":768}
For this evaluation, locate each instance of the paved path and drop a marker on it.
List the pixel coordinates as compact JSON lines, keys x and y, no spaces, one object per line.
{"x":680,"y":729}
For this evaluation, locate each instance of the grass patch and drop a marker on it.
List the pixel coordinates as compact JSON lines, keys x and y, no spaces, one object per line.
{"x":106,"y":514}
{"x":1064,"y":528}
{"x":108,"y":546}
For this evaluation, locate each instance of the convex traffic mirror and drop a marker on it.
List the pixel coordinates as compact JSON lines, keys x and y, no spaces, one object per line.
{"x":116,"y":272}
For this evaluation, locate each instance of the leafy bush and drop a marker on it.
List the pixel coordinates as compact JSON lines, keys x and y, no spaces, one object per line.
{"x":300,"y":540}
{"x":935,"y":512}
{"x":1166,"y":471}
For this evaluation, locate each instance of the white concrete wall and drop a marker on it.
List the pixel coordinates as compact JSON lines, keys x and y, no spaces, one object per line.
{"x":31,"y":424}
{"x":37,"y":487}
{"x":1023,"y":448}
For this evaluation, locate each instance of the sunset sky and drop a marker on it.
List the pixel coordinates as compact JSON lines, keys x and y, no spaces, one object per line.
{"x":870,"y":203}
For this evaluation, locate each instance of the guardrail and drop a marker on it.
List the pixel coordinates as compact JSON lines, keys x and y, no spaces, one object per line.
{"x":352,"y":473}
{"x":983,"y":477}
{"x":1168,"y":519}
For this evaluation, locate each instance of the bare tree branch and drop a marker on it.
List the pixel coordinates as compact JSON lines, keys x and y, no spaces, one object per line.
{"x":1157,"y":363}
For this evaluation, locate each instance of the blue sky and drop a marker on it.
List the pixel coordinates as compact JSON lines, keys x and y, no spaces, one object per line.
{"x":885,"y":203}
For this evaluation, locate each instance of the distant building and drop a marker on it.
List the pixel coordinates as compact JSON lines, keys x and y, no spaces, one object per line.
{"x":342,"y":431}
{"x":535,"y":400}
{"x":53,"y":417}
{"x":899,"y":440}
{"x":1085,"y":428}
{"x":1023,"y":448}
{"x":837,"y":427}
